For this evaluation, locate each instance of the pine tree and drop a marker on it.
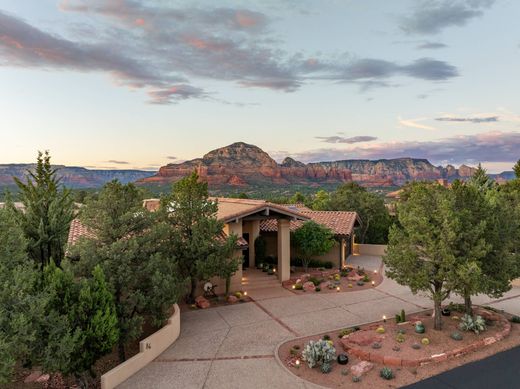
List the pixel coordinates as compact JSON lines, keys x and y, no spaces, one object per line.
{"x":127,"y":246}
{"x":48,"y":212}
{"x":481,"y":180}
{"x":516,"y":169}
{"x":195,"y":233}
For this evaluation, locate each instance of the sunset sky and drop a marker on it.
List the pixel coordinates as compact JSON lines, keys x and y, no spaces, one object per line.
{"x":138,"y":84}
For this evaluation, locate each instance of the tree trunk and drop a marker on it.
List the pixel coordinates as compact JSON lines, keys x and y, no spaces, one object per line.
{"x":228,"y":285}
{"x":437,"y":312}
{"x":468,"y":305}
{"x":121,"y":351}
{"x":193,"y":290}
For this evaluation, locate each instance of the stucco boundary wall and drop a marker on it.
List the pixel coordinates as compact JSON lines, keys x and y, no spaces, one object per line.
{"x":370,"y":249}
{"x":149,"y":349}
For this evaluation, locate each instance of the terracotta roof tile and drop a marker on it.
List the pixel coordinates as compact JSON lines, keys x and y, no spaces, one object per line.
{"x":339,"y":222}
{"x":78,"y":230}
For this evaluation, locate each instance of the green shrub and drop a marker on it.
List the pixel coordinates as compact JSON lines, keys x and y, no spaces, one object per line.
{"x":456,"y":336}
{"x":386,"y":373}
{"x":326,"y":337}
{"x":298,"y":286}
{"x":318,"y":289}
{"x":400,"y":338}
{"x":344,"y":332}
{"x":326,"y":368}
{"x":476,"y":324}
{"x":515,"y":319}
{"x":316,"y":281}
{"x":356,"y":378}
{"x":400,"y":317}
{"x":366,"y":278}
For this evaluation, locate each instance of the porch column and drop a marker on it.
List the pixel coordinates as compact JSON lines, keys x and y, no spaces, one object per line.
{"x":255,"y":232}
{"x":284,"y":250}
{"x":343,"y":252}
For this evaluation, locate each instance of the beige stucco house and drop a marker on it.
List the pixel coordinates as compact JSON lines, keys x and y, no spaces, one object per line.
{"x":249,"y":219}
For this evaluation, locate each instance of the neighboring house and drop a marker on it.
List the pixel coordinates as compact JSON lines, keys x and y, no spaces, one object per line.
{"x":249,"y":219}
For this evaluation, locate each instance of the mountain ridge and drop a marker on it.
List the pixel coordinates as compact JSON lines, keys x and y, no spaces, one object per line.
{"x":243,"y":164}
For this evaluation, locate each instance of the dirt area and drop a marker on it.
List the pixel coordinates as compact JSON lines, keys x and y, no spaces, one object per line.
{"x":341,"y":375}
{"x":328,"y":281}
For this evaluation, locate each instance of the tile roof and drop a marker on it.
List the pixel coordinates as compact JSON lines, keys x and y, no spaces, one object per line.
{"x":339,"y":222}
{"x":78,"y":230}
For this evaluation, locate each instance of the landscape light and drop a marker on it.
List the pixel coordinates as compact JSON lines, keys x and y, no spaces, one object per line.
{"x":294,"y":286}
{"x":297,"y":363}
{"x":245,"y":293}
{"x":375,"y":271}
{"x":274,"y":270}
{"x":384,"y":318}
{"x":338,"y":288}
{"x":373,"y":283}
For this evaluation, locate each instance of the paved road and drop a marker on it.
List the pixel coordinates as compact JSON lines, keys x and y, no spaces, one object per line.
{"x":234,"y":346}
{"x":500,"y":371}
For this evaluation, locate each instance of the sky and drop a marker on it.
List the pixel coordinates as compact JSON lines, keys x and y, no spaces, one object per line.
{"x":139,"y":84}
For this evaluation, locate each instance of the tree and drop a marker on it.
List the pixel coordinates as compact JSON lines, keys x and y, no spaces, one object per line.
{"x":195,"y":235}
{"x":516,"y":169}
{"x":126,"y":243}
{"x":48,"y":212}
{"x":375,"y":220}
{"x":481,"y":180}
{"x":472,"y":246}
{"x":21,"y":304}
{"x":420,"y":250}
{"x":321,"y":201}
{"x":312,"y":239}
{"x":297,"y":198}
{"x":84,"y":326}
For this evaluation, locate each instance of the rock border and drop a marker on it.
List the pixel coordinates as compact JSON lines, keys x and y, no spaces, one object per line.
{"x":436,"y":358}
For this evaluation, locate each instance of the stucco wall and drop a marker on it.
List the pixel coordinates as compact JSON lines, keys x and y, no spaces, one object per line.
{"x":370,"y":249}
{"x":149,"y":349}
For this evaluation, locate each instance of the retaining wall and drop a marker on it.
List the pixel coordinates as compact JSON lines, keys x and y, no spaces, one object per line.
{"x":370,"y":249}
{"x":149,"y":349}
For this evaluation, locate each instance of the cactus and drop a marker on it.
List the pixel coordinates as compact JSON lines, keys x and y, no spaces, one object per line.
{"x":400,"y":338}
{"x":319,"y":353}
{"x":356,"y":378}
{"x":386,"y":373}
{"x":326,"y":368}
{"x":425,"y":341}
{"x":456,"y":336}
{"x":380,"y":330}
{"x":376,"y":345}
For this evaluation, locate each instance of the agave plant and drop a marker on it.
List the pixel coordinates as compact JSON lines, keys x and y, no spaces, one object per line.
{"x":476,"y":324}
{"x":319,"y":353}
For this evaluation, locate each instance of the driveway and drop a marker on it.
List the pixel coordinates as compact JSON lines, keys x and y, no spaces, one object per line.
{"x":234,"y":346}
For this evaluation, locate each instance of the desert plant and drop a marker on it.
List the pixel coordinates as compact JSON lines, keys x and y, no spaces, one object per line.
{"x":360,"y":283}
{"x":344,"y":371}
{"x":425,"y":341}
{"x":318,"y":289}
{"x":298,"y":286}
{"x":376,"y":345}
{"x":400,"y":317}
{"x":380,"y":330}
{"x":319,"y":352}
{"x":456,"y":336}
{"x":345,"y":331}
{"x":316,"y":281}
{"x":476,"y":324}
{"x":326,"y":368}
{"x":400,"y":338}
{"x":356,"y":378}
{"x":416,"y":346}
{"x":366,"y":278}
{"x":515,"y":319}
{"x":386,"y":373}
{"x":326,"y":337}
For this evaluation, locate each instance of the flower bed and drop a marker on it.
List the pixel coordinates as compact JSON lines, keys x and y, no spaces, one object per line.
{"x":382,"y":363}
{"x":329,"y":281}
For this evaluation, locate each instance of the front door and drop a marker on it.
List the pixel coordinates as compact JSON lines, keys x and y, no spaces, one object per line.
{"x":245,"y":260}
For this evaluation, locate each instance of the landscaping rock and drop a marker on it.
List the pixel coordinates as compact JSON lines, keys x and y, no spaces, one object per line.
{"x":361,"y":368}
{"x":33,"y":376}
{"x":202,"y":302}
{"x":305,"y":277}
{"x":309,"y":287}
{"x":232,"y":299}
{"x":43,"y":378}
{"x":342,"y":359}
{"x":354,"y":277}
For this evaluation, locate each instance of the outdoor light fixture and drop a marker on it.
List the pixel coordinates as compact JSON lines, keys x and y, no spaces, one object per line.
{"x":297,"y":363}
{"x":375,"y":271}
{"x":384,"y":318}
{"x":294,"y":286}
{"x":245,"y":293}
{"x":373,"y":283}
{"x":274,"y":270}
{"x":338,"y":288}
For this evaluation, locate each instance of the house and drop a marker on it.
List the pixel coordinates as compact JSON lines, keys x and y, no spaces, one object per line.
{"x":249,"y":219}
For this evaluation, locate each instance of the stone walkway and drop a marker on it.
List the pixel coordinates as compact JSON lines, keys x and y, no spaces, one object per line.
{"x":234,"y":346}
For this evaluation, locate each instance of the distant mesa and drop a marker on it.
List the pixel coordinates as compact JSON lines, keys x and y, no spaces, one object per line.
{"x":242,"y":164}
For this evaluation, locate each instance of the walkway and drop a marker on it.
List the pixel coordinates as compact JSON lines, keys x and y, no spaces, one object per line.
{"x":234,"y":346}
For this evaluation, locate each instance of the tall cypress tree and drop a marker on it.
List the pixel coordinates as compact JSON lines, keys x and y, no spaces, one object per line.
{"x":49,"y":209}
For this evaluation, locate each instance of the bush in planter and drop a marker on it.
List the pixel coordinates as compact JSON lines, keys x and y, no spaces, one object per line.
{"x":515,"y":319}
{"x":476,"y":324}
{"x":366,"y":278}
{"x":316,"y":281}
{"x":317,"y":289}
{"x":298,"y":286}
{"x":319,"y":352}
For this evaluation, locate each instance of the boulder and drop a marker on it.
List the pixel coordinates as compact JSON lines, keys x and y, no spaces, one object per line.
{"x":202,"y":302}
{"x":33,"y":376}
{"x":309,"y":287}
{"x":43,"y":378}
{"x":232,"y":299}
{"x":361,"y":368}
{"x":305,"y":277}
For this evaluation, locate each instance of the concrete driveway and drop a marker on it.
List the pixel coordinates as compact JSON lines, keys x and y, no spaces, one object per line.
{"x":234,"y":346}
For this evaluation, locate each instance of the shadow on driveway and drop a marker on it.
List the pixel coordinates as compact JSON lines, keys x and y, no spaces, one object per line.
{"x":498,"y":371}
